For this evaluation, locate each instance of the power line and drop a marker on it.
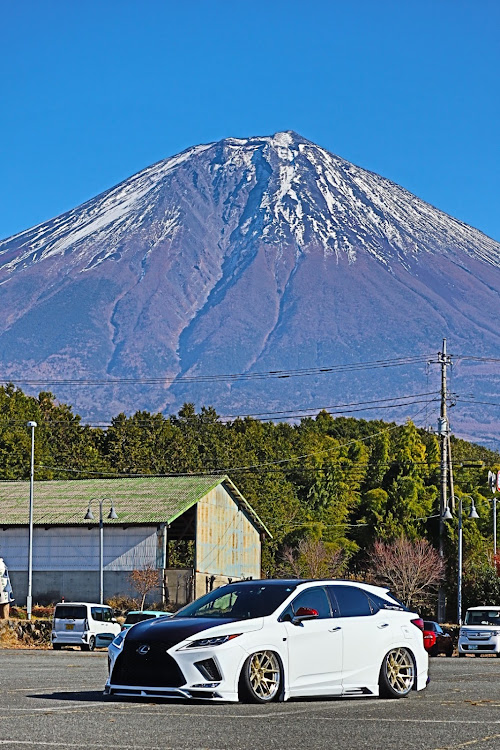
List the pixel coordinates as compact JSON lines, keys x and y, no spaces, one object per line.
{"x":267,"y":374}
{"x":381,"y":403}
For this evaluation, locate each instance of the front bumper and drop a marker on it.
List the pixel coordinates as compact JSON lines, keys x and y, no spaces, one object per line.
{"x":479,"y":644}
{"x":218,"y":683}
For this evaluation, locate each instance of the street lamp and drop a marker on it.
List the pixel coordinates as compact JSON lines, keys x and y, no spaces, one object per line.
{"x":447,"y":516}
{"x":89,"y":516}
{"x":29,"y":598}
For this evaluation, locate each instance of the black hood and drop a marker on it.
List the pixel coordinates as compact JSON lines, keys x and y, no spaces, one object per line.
{"x":172,"y":629}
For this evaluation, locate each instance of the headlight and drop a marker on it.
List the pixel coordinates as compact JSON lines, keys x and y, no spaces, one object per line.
{"x":118,"y":641}
{"x":217,"y":641}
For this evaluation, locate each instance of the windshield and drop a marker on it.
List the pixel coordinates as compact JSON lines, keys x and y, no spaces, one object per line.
{"x":241,"y":602}
{"x":482,"y":617}
{"x":131,"y":619}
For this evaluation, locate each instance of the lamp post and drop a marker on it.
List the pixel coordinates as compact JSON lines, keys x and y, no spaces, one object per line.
{"x":447,"y":516}
{"x":89,"y":516}
{"x":29,"y":597}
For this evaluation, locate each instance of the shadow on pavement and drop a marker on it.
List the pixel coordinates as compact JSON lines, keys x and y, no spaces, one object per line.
{"x":77,"y":695}
{"x":97,"y":696}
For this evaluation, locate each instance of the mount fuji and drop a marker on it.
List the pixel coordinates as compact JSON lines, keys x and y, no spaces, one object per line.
{"x":252,"y":255}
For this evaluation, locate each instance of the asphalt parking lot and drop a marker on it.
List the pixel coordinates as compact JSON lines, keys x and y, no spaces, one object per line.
{"x":54,"y":700}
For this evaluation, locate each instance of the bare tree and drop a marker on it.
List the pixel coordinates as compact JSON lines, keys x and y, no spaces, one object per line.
{"x":144,"y":580}
{"x":312,"y":559}
{"x":412,"y":570}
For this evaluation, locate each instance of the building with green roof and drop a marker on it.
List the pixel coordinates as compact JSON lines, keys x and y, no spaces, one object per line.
{"x":196,"y":531}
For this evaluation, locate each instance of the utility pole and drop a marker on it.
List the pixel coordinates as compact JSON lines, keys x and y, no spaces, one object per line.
{"x":443,"y":431}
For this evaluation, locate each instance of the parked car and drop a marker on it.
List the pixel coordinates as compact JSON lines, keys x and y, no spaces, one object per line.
{"x":260,"y":641}
{"x":83,"y":624}
{"x":480,"y":633}
{"x":436,"y":641}
{"x":139,"y":615}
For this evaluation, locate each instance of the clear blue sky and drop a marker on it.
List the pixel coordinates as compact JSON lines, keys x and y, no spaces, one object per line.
{"x":95,"y":90}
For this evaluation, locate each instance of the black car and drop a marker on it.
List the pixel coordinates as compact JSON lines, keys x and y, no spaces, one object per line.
{"x":442,"y":643}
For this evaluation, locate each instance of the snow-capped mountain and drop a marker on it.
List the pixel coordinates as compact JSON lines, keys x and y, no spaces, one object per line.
{"x":241,"y":256}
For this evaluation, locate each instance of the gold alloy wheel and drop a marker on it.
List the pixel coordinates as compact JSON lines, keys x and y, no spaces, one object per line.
{"x":400,"y":670}
{"x":264,"y":674}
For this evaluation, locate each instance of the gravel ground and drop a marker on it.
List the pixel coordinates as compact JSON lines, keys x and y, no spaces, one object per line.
{"x":54,"y":700}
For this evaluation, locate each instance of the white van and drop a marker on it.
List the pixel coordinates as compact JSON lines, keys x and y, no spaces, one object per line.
{"x":83,"y":624}
{"x":480,"y":633}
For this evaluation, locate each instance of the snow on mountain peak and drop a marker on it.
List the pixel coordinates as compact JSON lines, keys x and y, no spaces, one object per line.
{"x":275,"y":188}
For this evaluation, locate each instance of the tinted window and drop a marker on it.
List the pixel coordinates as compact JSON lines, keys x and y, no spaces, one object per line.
{"x":68,"y":612}
{"x":240,"y":601}
{"x":353,"y":602}
{"x":96,"y":613}
{"x":314,"y":599}
{"x":137,"y":617}
{"x":390,"y":603}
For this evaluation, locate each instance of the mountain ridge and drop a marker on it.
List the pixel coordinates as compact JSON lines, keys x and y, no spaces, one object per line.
{"x":239,"y":255}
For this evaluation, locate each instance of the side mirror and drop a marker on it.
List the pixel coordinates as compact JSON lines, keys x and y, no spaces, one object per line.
{"x":304,"y":613}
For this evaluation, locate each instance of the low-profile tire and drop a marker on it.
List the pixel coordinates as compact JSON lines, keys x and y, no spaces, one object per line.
{"x":57,"y":646}
{"x":90,"y":646}
{"x":261,"y":678}
{"x":397,"y":674}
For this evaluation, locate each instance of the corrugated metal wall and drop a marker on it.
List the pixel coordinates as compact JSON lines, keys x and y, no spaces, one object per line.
{"x":228,"y":544}
{"x":77,"y":548}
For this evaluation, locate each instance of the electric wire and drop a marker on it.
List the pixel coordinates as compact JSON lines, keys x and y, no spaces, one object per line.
{"x":267,"y":374}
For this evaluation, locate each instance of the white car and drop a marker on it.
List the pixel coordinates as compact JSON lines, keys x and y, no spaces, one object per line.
{"x":259,"y":641}
{"x":83,"y":624}
{"x":480,"y":633}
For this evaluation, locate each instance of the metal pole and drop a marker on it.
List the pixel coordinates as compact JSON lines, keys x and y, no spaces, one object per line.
{"x":101,"y":554}
{"x":459,"y":582}
{"x":495,"y":527}
{"x":444,"y":360}
{"x":29,"y":598}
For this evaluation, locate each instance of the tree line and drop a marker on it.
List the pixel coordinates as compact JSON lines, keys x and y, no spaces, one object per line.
{"x":336,"y":484}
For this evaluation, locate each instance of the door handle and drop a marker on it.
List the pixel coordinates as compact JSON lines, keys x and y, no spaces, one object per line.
{"x":384,"y":625}
{"x":334,"y":630}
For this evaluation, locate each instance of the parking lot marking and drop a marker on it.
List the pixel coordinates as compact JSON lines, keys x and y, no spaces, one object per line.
{"x":34,"y":743}
{"x":470,"y":742}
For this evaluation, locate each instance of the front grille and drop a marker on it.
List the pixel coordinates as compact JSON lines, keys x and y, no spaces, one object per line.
{"x":482,"y":647}
{"x":155,"y":668}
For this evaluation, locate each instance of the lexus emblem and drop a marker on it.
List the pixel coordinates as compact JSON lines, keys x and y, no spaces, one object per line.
{"x":144,"y":649}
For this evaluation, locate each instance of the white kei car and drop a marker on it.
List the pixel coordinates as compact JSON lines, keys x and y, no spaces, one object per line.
{"x":480,"y":633}
{"x":260,"y":641}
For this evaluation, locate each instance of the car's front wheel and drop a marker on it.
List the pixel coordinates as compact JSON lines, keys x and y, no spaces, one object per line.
{"x":261,"y":678}
{"x":397,"y":674}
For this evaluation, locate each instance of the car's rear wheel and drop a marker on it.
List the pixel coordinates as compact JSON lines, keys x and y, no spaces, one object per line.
{"x":90,"y":646}
{"x":397,"y":674}
{"x":261,"y":678}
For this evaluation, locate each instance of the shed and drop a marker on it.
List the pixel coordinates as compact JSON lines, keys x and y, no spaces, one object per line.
{"x":198,"y":532}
